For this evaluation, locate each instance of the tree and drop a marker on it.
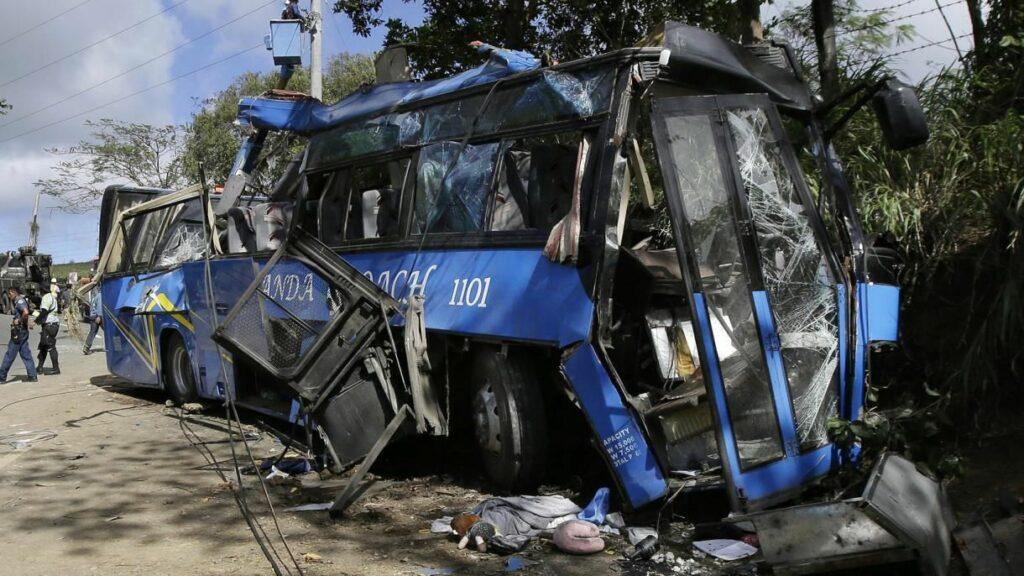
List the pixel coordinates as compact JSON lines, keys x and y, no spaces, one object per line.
{"x":564,"y":29}
{"x":213,"y":138}
{"x":4,"y":106}
{"x":855,"y":50}
{"x":824,"y":19}
{"x":115,"y":152}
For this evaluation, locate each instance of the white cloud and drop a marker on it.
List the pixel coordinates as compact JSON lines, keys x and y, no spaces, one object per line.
{"x":22,"y":159}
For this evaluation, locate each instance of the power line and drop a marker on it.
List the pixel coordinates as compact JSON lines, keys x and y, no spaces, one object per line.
{"x":43,"y":23}
{"x":134,"y":68}
{"x":883,"y":8}
{"x":922,"y":46}
{"x":898,"y":18}
{"x":96,"y":43}
{"x":133,"y":94}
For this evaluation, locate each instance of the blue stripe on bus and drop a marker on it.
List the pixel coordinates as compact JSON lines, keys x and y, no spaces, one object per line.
{"x":777,"y":372}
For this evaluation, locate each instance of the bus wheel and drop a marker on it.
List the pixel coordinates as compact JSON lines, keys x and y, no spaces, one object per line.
{"x":509,"y":420}
{"x":179,"y":380}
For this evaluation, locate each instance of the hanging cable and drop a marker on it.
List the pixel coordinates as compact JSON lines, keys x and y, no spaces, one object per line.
{"x":254,"y":526}
{"x":232,"y":410}
{"x":136,"y":67}
{"x":881,"y":23}
{"x":96,"y":43}
{"x":133,"y":94}
{"x":43,"y":23}
{"x":883,"y":8}
{"x":923,"y":46}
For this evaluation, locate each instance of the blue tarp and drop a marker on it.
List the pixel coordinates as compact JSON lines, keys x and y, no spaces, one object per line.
{"x":308,"y":115}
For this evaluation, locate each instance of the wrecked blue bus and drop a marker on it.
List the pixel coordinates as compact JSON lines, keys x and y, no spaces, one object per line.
{"x":660,"y":236}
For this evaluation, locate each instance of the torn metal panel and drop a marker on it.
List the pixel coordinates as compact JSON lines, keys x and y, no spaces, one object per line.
{"x":308,"y":318}
{"x":903,"y":515}
{"x":914,"y":507}
{"x":429,"y":416}
{"x":619,"y":433}
{"x":979,"y":550}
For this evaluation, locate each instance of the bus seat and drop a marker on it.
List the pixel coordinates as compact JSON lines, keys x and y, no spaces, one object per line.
{"x":388,"y":212}
{"x":271,"y":221}
{"x":510,"y":203}
{"x":552,"y":172}
{"x":241,"y":234}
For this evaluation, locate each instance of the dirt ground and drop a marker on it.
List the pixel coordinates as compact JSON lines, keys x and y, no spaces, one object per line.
{"x":112,"y":486}
{"x":106,"y":482}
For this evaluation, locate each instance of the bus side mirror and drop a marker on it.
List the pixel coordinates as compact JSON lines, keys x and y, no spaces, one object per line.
{"x":900,"y":115}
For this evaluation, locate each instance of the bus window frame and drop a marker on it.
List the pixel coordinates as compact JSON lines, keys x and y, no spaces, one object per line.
{"x":595,"y":124}
{"x":126,"y":266}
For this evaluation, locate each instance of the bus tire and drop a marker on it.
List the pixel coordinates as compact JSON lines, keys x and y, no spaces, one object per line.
{"x":509,"y":422}
{"x":179,"y":378}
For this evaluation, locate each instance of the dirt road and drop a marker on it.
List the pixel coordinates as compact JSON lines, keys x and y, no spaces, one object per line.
{"x":112,"y":486}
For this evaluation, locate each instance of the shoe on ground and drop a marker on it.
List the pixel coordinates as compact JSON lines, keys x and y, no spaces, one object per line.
{"x":55,"y":372}
{"x":32,"y":380}
{"x":86,"y":351}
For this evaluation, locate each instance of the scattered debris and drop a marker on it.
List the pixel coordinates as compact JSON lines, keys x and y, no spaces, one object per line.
{"x":578,"y":537}
{"x":314,"y":507}
{"x":435,"y":571}
{"x":291,"y":466}
{"x":598,"y":507}
{"x":644,"y":549}
{"x":441,"y":525}
{"x":637,"y":534}
{"x":514,"y":564}
{"x":25,"y":438}
{"x":725,"y":549}
{"x":192,"y":407}
{"x":311,"y":558}
{"x":979,"y":550}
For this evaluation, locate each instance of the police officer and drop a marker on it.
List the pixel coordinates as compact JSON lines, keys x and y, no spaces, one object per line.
{"x":19,"y":338}
{"x":49,"y":317}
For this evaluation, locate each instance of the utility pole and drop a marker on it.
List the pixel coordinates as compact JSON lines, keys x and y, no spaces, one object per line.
{"x":316,"y":49}
{"x":33,"y":228}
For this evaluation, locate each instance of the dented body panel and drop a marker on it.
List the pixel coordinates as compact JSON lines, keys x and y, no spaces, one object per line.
{"x":719,"y":355}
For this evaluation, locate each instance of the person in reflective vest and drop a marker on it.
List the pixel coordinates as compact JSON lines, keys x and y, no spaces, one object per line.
{"x":49,"y":318}
{"x":19,"y":338}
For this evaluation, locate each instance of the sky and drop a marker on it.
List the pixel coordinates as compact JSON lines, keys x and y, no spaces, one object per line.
{"x":57,"y":71}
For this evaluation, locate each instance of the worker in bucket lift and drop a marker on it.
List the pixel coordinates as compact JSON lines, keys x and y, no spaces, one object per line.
{"x":49,"y":317}
{"x":95,"y":318}
{"x":291,"y":10}
{"x":19,"y":338}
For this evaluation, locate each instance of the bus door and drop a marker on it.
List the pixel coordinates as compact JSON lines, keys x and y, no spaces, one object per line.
{"x":316,"y":324}
{"x":764,"y":290}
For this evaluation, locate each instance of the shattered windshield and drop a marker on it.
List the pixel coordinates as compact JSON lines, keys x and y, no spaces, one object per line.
{"x":725,"y":281}
{"x":796,"y":274}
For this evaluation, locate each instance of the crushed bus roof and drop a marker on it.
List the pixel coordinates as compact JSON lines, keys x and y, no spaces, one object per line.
{"x":687,"y":52}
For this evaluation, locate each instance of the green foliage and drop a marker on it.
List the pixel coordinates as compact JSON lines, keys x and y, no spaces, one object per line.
{"x":956,"y":209}
{"x":115,"y":152}
{"x":922,"y":433}
{"x":4,"y":106}
{"x":214,"y":139}
{"x":563,"y":29}
{"x":61,"y":270}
